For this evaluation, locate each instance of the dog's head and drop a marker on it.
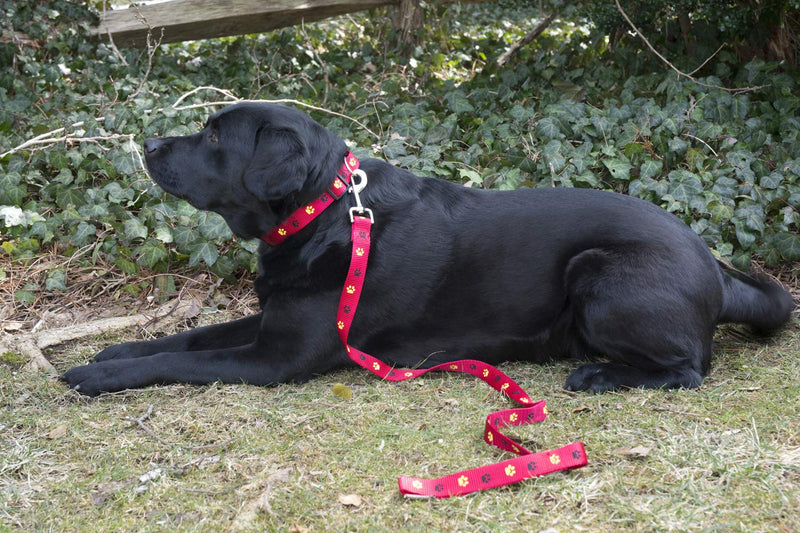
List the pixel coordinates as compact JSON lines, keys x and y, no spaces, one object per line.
{"x":251,"y":163}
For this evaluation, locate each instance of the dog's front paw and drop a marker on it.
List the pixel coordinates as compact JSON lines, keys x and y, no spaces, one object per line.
{"x":97,"y":378}
{"x":594,"y":377}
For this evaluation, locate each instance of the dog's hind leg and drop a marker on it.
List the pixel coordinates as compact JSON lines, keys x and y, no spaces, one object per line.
{"x":654,"y":322}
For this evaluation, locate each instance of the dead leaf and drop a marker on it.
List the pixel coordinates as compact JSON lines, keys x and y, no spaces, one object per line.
{"x":452,"y":402}
{"x":582,"y":409}
{"x":342,"y":391}
{"x":262,"y":503}
{"x":57,"y":432}
{"x":353,"y":500}
{"x":193,"y":308}
{"x":633,"y":451}
{"x":279,"y":476}
{"x":297,"y":528}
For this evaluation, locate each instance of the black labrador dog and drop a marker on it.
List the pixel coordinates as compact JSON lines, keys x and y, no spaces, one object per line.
{"x":531,"y":274}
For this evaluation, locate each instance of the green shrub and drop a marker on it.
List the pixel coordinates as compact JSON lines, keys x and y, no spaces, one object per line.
{"x":563,"y":113}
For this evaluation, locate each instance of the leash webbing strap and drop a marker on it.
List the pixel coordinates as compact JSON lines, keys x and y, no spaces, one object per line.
{"x":306,"y":214}
{"x":527,"y":465}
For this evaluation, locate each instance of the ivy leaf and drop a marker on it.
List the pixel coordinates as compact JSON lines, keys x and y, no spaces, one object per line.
{"x":66,"y":196}
{"x":134,"y":229}
{"x":185,"y":237}
{"x":25,"y":297}
{"x":725,"y":187}
{"x":620,"y":169}
{"x":709,"y":130}
{"x":151,"y":253}
{"x":650,"y":168}
{"x":117,"y":194}
{"x":684,"y":186}
{"x":548,"y":128}
{"x":580,"y":163}
{"x":676,"y":144}
{"x":746,"y":239}
{"x":788,"y":245}
{"x":740,"y":161}
{"x":56,"y":280}
{"x":771,"y":181}
{"x":126,"y":266}
{"x":458,"y":103}
{"x":212,"y":226}
{"x":750,"y":216}
{"x":164,"y":234}
{"x":632,"y":149}
{"x":205,"y":251}
{"x":83,"y":233}
{"x":552,"y":153}
{"x":720,"y":213}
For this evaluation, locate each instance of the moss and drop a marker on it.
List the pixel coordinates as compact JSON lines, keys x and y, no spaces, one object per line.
{"x":13,"y":358}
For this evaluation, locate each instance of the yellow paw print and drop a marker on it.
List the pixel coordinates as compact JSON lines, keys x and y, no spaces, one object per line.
{"x":359,"y":252}
{"x":485,"y":373}
{"x":417,"y":484}
{"x":376,"y":366}
{"x":554,"y":459}
{"x":463,"y":481}
{"x":340,"y":324}
{"x":281,"y":232}
{"x":310,"y":209}
{"x":513,"y":417}
{"x":510,"y":470}
{"x":351,"y":289}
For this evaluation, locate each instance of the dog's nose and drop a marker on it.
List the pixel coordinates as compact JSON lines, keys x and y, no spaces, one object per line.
{"x":151,"y":145}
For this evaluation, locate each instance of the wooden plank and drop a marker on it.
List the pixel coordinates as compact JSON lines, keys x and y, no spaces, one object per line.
{"x":184,"y":20}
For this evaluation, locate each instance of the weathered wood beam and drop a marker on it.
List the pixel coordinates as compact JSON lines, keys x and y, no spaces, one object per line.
{"x":185,"y":20}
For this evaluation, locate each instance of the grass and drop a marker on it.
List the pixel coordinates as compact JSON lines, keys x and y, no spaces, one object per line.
{"x":242,"y":458}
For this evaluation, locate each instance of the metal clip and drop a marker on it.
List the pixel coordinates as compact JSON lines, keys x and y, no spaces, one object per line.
{"x":355,"y":188}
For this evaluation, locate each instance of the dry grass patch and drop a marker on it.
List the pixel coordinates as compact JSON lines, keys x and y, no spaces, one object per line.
{"x":298,"y":457}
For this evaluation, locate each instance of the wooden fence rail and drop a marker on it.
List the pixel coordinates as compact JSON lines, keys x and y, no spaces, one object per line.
{"x":183,"y":20}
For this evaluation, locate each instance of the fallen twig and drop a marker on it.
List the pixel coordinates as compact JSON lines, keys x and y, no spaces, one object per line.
{"x":31,"y":345}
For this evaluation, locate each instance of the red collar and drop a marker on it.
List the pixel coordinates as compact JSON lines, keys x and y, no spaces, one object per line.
{"x":305,"y":214}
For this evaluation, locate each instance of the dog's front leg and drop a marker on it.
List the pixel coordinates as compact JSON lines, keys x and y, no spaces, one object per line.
{"x":254,"y":363}
{"x":226,"y":335}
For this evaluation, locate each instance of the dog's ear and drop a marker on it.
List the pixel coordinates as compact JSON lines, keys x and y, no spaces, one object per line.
{"x":279,"y":167}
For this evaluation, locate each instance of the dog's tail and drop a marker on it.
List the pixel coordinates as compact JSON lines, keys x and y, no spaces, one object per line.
{"x":757,"y":301}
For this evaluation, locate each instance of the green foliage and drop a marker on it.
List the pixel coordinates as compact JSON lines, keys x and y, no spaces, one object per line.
{"x":564,"y":113}
{"x":693,"y":29}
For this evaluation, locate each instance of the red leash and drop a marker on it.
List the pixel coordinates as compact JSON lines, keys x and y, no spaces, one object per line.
{"x":525,"y":466}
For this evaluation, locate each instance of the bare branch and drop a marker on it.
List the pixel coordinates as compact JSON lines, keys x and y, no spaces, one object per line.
{"x":676,"y":69}
{"x":533,"y":34}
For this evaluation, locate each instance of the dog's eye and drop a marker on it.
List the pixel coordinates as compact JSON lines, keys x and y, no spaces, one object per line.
{"x":213,"y":137}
